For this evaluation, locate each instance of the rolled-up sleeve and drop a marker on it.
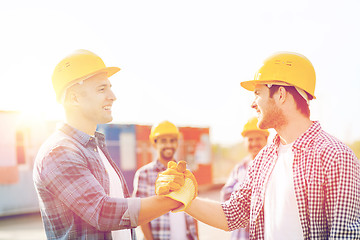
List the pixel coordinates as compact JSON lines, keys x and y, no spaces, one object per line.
{"x":131,"y":216}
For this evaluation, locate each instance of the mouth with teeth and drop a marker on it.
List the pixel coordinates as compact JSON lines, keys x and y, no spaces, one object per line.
{"x":107,"y":108}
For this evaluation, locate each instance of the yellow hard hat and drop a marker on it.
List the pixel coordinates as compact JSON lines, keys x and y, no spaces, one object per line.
{"x":251,"y":126}
{"x":285,"y":67}
{"x":76,"y":67}
{"x":163,"y":128}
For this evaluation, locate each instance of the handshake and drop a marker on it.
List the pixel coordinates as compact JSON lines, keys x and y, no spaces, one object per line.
{"x":178,"y":183}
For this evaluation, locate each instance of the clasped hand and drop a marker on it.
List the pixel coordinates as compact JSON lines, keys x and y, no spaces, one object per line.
{"x":178,"y":183}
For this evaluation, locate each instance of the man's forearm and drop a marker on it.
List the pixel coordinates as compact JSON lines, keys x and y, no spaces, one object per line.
{"x":155,"y":206}
{"x":209,"y":212}
{"x":146,"y":231}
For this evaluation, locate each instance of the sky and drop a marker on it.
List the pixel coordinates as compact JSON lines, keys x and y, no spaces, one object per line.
{"x":183,"y":61}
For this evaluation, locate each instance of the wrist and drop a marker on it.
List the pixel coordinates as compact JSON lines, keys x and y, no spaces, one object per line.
{"x":169,"y":202}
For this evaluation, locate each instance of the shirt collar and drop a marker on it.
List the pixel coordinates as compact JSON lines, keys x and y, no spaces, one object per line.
{"x":305,"y":139}
{"x":80,"y":136}
{"x":159,"y":166}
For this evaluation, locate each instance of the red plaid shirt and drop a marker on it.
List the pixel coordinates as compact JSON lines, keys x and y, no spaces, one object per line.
{"x":327,"y":187}
{"x":73,"y":188}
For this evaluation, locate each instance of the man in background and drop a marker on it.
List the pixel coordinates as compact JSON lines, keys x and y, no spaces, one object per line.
{"x":171,"y":226}
{"x":255,"y":140}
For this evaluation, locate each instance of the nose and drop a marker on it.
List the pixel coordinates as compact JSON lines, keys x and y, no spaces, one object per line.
{"x":253,"y":105}
{"x":112,"y":96}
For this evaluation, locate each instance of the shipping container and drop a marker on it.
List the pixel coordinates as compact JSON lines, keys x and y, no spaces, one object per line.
{"x":121,"y":143}
{"x":128,"y":145}
{"x":21,"y":139}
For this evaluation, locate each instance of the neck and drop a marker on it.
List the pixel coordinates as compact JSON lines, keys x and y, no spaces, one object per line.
{"x":81,"y":124}
{"x":293,"y":129}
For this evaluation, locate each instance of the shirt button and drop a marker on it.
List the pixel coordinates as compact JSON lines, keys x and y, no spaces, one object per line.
{"x":95,"y":149}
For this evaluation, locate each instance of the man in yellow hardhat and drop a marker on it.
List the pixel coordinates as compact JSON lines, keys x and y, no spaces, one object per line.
{"x":170,"y":226}
{"x":82,"y":193}
{"x":306,"y":183}
{"x":255,"y":140}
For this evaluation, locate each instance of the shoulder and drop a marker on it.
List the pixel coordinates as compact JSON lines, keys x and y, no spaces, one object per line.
{"x":243,"y":164}
{"x":331,"y":152}
{"x":59,"y":147}
{"x":326,"y":144}
{"x":148,"y":167}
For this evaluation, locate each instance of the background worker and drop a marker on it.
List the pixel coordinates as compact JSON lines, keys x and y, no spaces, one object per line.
{"x":82,"y":193}
{"x":255,"y":139}
{"x":170,"y":226}
{"x":304,"y":185}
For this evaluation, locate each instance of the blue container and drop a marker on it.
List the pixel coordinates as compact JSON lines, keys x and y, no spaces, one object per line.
{"x":19,"y":198}
{"x":121,"y":143}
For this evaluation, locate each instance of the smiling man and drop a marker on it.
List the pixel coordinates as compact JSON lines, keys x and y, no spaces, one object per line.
{"x":171,"y":226}
{"x":303,"y":185}
{"x":82,"y":193}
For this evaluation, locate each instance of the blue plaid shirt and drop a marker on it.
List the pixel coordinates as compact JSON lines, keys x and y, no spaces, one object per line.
{"x":73,"y":188}
{"x":144,"y":186}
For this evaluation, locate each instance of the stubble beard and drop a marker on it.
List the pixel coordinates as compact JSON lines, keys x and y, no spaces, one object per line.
{"x":274,"y":117}
{"x":167,"y":157}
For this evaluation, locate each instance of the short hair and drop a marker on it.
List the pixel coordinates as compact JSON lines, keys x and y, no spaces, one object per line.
{"x":301,"y":103}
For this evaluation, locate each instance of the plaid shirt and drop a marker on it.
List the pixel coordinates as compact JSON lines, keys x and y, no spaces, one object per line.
{"x":73,"y":189}
{"x":234,"y":181}
{"x":327,"y":187}
{"x":144,"y":186}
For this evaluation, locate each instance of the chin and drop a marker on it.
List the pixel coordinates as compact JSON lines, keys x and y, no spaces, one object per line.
{"x":106,"y":120}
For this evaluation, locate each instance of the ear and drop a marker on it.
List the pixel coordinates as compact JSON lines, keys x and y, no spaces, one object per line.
{"x":282,"y":94}
{"x":72,"y":98}
{"x":153,"y":143}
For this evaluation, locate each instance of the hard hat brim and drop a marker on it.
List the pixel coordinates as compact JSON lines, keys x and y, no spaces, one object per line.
{"x":108,"y":70}
{"x":250,"y":85}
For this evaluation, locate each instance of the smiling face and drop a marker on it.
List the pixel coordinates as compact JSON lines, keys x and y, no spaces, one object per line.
{"x":269,"y":113}
{"x":166,"y":146}
{"x":91,"y":101}
{"x":255,"y":141}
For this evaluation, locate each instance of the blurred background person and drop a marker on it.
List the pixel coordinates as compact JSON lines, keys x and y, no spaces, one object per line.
{"x":255,"y":140}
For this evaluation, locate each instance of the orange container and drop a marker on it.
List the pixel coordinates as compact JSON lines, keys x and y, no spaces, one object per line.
{"x":203,"y":174}
{"x":195,"y":149}
{"x":9,"y":175}
{"x":144,"y":152}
